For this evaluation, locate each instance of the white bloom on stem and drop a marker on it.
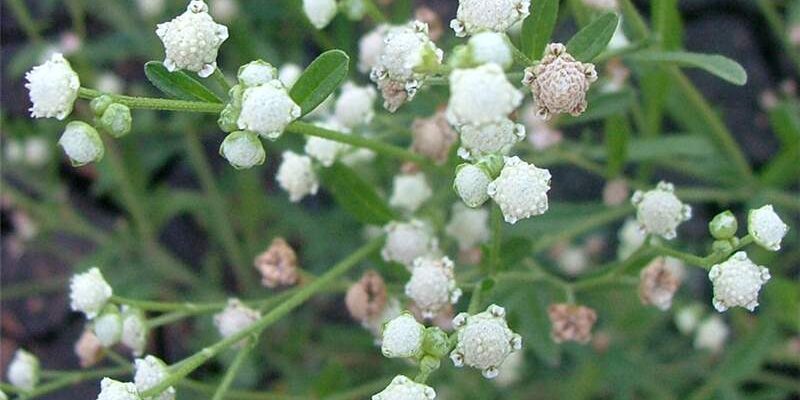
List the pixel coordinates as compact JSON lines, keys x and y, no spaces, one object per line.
{"x":289,"y":74}
{"x":320,"y":12}
{"x":402,"y":337}
{"x":370,"y":47}
{"x":659,"y":211}
{"x":134,"y":330}
{"x":766,"y":227}
{"x":737,"y":282}
{"x":559,"y":83}
{"x":484,"y":340}
{"x":469,"y":227}
{"x":296,"y":175}
{"x":52,"y":88}
{"x":243,"y":150}
{"x":490,"y":47}
{"x":432,"y":285}
{"x":481,"y":95}
{"x":23,"y":371}
{"x":497,"y":137}
{"x":403,"y":388}
{"x":474,"y":16}
{"x":520,"y":190}
{"x":192,"y":40}
{"x":405,"y":241}
{"x":235,"y":318}
{"x":81,"y":143}
{"x":410,"y":191}
{"x":115,"y":390}
{"x":89,"y":292}
{"x":711,"y":334}
{"x":355,"y":105}
{"x":471,"y":183}
{"x":150,"y":371}
{"x":267,"y":109}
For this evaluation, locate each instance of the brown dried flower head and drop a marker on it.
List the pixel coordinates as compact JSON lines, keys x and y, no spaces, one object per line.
{"x":89,"y":349}
{"x":277,"y":265}
{"x":433,"y":137}
{"x":559,"y":83}
{"x":659,"y":281}
{"x":366,"y":298}
{"x":571,"y":322}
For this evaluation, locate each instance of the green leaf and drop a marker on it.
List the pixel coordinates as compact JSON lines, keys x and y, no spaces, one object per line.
{"x":356,"y":196}
{"x":538,"y":27}
{"x":320,"y":79}
{"x":178,"y":84}
{"x":593,"y":39}
{"x":721,"y":66}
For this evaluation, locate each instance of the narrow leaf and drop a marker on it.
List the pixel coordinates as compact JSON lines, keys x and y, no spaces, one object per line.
{"x":721,"y":66}
{"x":320,"y":79}
{"x":178,"y":84}
{"x":593,"y":39}
{"x":538,"y":27}
{"x":356,"y":196}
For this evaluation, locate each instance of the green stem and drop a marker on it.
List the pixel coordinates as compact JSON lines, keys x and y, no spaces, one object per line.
{"x":188,"y":365}
{"x":233,"y":369}
{"x":149,"y":103}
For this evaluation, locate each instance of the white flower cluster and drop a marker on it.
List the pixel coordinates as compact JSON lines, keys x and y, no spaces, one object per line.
{"x":53,"y":88}
{"x":296,"y":175}
{"x":402,"y":337}
{"x":432,"y":285}
{"x":559,"y":83}
{"x":89,"y":292}
{"x":659,"y":211}
{"x":410,"y":191}
{"x":403,"y":388}
{"x":737,"y":282}
{"x":474,"y":16}
{"x":192,"y":40}
{"x":484,"y":340}
{"x":407,"y":241}
{"x":23,"y":371}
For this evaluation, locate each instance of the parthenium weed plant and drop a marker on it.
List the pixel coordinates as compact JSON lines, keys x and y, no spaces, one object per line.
{"x":455,"y":240}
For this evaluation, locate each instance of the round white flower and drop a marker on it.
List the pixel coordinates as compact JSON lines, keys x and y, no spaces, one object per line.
{"x":256,"y":73}
{"x":115,"y":390}
{"x":469,"y":227}
{"x":520,"y":190}
{"x":402,"y":337}
{"x":192,"y":40}
{"x":89,"y":292}
{"x":53,"y":88}
{"x":474,"y":16}
{"x":23,"y":371}
{"x":150,"y":371}
{"x":481,"y":95}
{"x":405,"y":241}
{"x":484,"y":340}
{"x":659,"y":211}
{"x":559,"y":83}
{"x":267,"y":109}
{"x":297,"y":176}
{"x":410,"y":192}
{"x":320,"y":12}
{"x":766,"y":227}
{"x":471,"y":183}
{"x":134,"y":330}
{"x":370,"y":47}
{"x":711,"y":334}
{"x":243,"y":150}
{"x":402,"y":388}
{"x":289,"y":74}
{"x":432,"y":285}
{"x":631,"y":238}
{"x":81,"y":143}
{"x":491,"y":47}
{"x":354,"y":107}
{"x":737,"y":282}
{"x":490,"y":138}
{"x":108,"y":326}
{"x":235,"y":318}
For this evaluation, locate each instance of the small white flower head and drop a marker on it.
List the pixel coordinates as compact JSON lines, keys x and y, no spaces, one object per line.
{"x":403,"y":388}
{"x":289,"y":74}
{"x":496,"y":137}
{"x":108,"y":326}
{"x":469,"y":227}
{"x":766,"y":227}
{"x":235,"y":318}
{"x":659,"y":281}
{"x":81,"y":143}
{"x":296,"y":175}
{"x":405,"y":241}
{"x":192,"y":40}
{"x":267,"y":109}
{"x":481,"y":95}
{"x":432,"y":285}
{"x":89,"y":292}
{"x":410,"y":191}
{"x":53,"y":88}
{"x":115,"y":390}
{"x":737,"y":282}
{"x":224,"y":10}
{"x":688,"y":318}
{"x":402,"y":337}
{"x":243,"y":150}
{"x":484,"y":340}
{"x":490,"y":47}
{"x":520,"y":190}
{"x":559,"y":83}
{"x":134,"y":330}
{"x":320,"y":12}
{"x":255,"y":73}
{"x":23,"y":371}
{"x":711,"y":334}
{"x":370,"y":47}
{"x":354,"y":107}
{"x":150,"y":371}
{"x":631,"y":237}
{"x":659,"y":211}
{"x":327,"y":151}
{"x":474,"y":16}
{"x":471,"y":183}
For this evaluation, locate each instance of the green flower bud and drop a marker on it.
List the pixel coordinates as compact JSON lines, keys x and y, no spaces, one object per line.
{"x":435,"y":342}
{"x":81,"y":143}
{"x":99,"y":104}
{"x":723,"y":226}
{"x":243,"y":149}
{"x":116,"y":120}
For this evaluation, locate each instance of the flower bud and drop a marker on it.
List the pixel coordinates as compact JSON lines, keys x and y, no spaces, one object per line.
{"x":277,"y":265}
{"x":402,"y":337}
{"x":81,"y":143}
{"x":23,"y":371}
{"x":116,"y":120}
{"x":108,"y":326}
{"x":766,"y":227}
{"x":243,"y":150}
